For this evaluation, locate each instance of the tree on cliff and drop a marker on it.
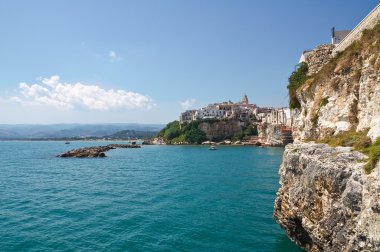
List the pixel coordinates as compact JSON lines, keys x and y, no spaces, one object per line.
{"x":189,"y":133}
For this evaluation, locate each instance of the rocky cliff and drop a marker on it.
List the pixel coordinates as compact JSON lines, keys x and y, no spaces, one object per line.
{"x":221,"y":129}
{"x":318,"y":57}
{"x":326,"y":201}
{"x":274,"y":135}
{"x":344,"y":94}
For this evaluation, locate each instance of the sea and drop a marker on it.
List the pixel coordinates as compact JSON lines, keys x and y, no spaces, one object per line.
{"x":156,"y":198}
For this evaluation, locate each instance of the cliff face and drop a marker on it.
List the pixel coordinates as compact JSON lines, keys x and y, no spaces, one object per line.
{"x":344,"y":95}
{"x":318,"y":57}
{"x":326,"y":201}
{"x":274,"y":135}
{"x":220,"y":129}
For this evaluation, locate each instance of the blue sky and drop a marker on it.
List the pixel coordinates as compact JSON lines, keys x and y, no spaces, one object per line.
{"x":146,"y":61}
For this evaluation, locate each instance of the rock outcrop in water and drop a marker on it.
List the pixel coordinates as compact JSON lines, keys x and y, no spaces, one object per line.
{"x":96,"y":151}
{"x":326,"y":202}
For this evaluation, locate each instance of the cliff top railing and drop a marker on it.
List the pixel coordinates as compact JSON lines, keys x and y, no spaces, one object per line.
{"x":367,"y":23}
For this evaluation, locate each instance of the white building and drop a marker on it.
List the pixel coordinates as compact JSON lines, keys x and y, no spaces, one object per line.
{"x":338,"y":36}
{"x":279,"y":116}
{"x":187,"y":116}
{"x":304,"y":55}
{"x":240,"y":110}
{"x":212,"y":111}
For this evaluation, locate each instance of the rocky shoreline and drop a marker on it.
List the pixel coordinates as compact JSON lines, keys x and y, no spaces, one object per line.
{"x":95,"y":151}
{"x":326,"y":202}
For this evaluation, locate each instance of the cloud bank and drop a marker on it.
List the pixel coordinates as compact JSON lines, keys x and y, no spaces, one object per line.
{"x":53,"y":93}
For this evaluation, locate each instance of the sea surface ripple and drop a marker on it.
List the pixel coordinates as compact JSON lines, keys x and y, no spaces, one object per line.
{"x":157,"y":198}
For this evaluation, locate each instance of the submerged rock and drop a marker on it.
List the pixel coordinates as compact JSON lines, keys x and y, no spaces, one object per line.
{"x":326,"y":201}
{"x":97,"y":151}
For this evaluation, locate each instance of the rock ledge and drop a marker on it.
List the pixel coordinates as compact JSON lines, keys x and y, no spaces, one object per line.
{"x":96,"y":151}
{"x":326,"y":202}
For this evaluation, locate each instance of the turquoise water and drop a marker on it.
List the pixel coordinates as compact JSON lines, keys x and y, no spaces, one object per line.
{"x":157,"y":198}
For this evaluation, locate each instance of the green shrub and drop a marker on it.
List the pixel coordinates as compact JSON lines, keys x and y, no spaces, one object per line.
{"x":189,"y":132}
{"x":360,"y":142}
{"x":373,"y":152}
{"x":192,"y":134}
{"x":324,"y":102}
{"x":238,"y":136}
{"x":296,"y":80}
{"x":171,"y":131}
{"x":250,"y":130}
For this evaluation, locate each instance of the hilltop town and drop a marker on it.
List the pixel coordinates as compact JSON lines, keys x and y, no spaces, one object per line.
{"x":272,"y":126}
{"x":240,"y":123}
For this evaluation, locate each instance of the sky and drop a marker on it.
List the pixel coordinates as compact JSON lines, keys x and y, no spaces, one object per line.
{"x":122,"y":61}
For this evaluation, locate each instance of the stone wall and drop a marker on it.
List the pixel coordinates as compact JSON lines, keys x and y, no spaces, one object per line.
{"x":318,"y":57}
{"x":367,"y":23}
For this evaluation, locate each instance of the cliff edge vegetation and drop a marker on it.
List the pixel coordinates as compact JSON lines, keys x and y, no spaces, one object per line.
{"x":296,"y":80}
{"x":196,"y":132}
{"x":329,"y":198}
{"x":341,"y":101}
{"x":188,"y":133}
{"x":360,"y":142}
{"x":343,"y":95}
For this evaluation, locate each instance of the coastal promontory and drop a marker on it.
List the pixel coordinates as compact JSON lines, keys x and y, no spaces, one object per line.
{"x":329,"y":199}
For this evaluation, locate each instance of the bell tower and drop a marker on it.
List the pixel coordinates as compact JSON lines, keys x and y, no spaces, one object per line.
{"x":244,"y":102}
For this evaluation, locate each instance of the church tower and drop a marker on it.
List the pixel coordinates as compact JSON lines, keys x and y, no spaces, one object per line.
{"x":244,"y":102}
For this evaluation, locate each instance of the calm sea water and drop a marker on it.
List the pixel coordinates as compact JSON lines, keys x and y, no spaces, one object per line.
{"x":157,"y":198}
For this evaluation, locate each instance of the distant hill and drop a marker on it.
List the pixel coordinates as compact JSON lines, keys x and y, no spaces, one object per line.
{"x":128,"y":134}
{"x":35,"y":131}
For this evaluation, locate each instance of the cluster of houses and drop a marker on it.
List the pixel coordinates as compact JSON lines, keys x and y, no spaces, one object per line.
{"x":225,"y":110}
{"x":243,"y":111}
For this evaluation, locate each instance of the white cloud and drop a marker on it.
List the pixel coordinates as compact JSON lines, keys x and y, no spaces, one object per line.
{"x":189,"y":103}
{"x":113,"y":56}
{"x":52,"y":92}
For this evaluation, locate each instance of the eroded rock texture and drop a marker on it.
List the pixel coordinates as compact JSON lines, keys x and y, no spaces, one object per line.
{"x":95,"y":151}
{"x":341,"y":93}
{"x":318,"y":57}
{"x":326,"y":202}
{"x":221,"y":129}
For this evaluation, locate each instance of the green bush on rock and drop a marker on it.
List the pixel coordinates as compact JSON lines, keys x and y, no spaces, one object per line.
{"x":296,"y":80}
{"x":189,"y":133}
{"x":360,"y":142}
